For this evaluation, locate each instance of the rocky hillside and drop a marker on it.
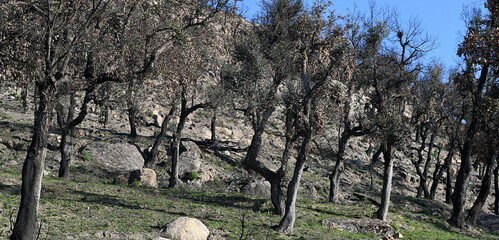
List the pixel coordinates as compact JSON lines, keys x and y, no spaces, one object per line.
{"x":215,"y":188}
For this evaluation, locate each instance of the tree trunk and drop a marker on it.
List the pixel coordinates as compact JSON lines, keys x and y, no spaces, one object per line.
{"x":277,"y":195}
{"x":424,"y":183}
{"x":25,"y":226}
{"x":459,"y":195}
{"x":153,"y":154}
{"x":334,"y":177}
{"x":484,"y":189}
{"x":132,"y":114}
{"x":422,"y":180}
{"x":213,"y":126}
{"x":439,"y":172}
{"x":66,"y":148}
{"x":461,"y":187}
{"x":177,"y":139}
{"x":287,"y":222}
{"x":496,"y":188}
{"x":387,"y":182}
{"x":448,"y":183}
{"x":132,"y":109}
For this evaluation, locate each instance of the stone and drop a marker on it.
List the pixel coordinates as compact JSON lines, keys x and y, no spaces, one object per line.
{"x":119,"y":157}
{"x":374,"y":226}
{"x":122,"y":179}
{"x":185,"y":228}
{"x":160,"y":238}
{"x":146,"y":176}
{"x":190,"y":158}
{"x":79,"y":133}
{"x":259,"y":188}
{"x":398,"y":235}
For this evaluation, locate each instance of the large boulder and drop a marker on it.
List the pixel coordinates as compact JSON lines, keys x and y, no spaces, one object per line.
{"x":146,"y":177}
{"x":190,"y":158}
{"x":114,"y":157}
{"x":374,"y":226}
{"x":259,"y":188}
{"x":185,"y":228}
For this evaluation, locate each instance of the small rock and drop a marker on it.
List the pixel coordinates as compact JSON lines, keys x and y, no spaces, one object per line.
{"x":146,"y":176}
{"x":185,"y":228}
{"x":398,"y":235}
{"x":160,"y":238}
{"x":79,"y":133}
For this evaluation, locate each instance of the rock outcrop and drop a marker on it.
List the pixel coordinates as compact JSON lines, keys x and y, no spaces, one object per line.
{"x":119,"y":157}
{"x":185,"y":228}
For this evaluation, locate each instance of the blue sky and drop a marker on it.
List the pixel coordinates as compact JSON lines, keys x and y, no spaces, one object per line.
{"x":441,"y":19}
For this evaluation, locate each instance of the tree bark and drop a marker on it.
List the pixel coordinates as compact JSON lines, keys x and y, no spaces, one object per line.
{"x":132,"y":109}
{"x":177,"y":138}
{"x":438,"y":174}
{"x":374,"y":159}
{"x":423,"y":132}
{"x":424,"y":183}
{"x":334,"y":177}
{"x":484,"y":189}
{"x":66,"y":148}
{"x":461,"y":187}
{"x":153,"y":153}
{"x":387,"y":182}
{"x":213,"y":126}
{"x":287,"y":222}
{"x":25,"y":226}
{"x":496,"y":188}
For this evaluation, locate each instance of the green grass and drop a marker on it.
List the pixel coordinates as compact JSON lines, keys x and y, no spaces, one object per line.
{"x":82,"y":210}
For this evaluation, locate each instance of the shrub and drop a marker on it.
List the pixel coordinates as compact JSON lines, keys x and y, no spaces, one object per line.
{"x":191,"y":175}
{"x":85,"y":156}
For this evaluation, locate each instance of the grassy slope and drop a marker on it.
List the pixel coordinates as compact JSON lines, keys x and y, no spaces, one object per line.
{"x":83,"y":210}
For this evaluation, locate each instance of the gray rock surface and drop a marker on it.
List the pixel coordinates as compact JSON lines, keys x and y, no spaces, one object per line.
{"x":111,"y":157}
{"x":374,"y":226}
{"x":190,"y":159}
{"x":259,"y":188}
{"x":147,"y":177}
{"x":185,"y":228}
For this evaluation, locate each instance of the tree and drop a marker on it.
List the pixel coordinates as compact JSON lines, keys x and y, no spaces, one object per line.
{"x":57,"y":30}
{"x":428,"y":116}
{"x":479,"y":51}
{"x":390,"y":71}
{"x":325,"y":60}
{"x":263,"y":60}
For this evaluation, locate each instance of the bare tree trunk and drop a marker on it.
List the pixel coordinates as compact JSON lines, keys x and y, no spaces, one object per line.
{"x":132,"y":114}
{"x":66,"y":148}
{"x":153,"y":154}
{"x":334,"y":177}
{"x":177,"y":138}
{"x":374,"y":159}
{"x":387,"y":182}
{"x":484,"y":189}
{"x":496,"y":188}
{"x":439,"y":172}
{"x":417,"y":164}
{"x":132,"y":109}
{"x":213,"y":126}
{"x":288,"y":220}
{"x":424,"y":184}
{"x":461,"y":187}
{"x":25,"y":226}
{"x":448,"y":183}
